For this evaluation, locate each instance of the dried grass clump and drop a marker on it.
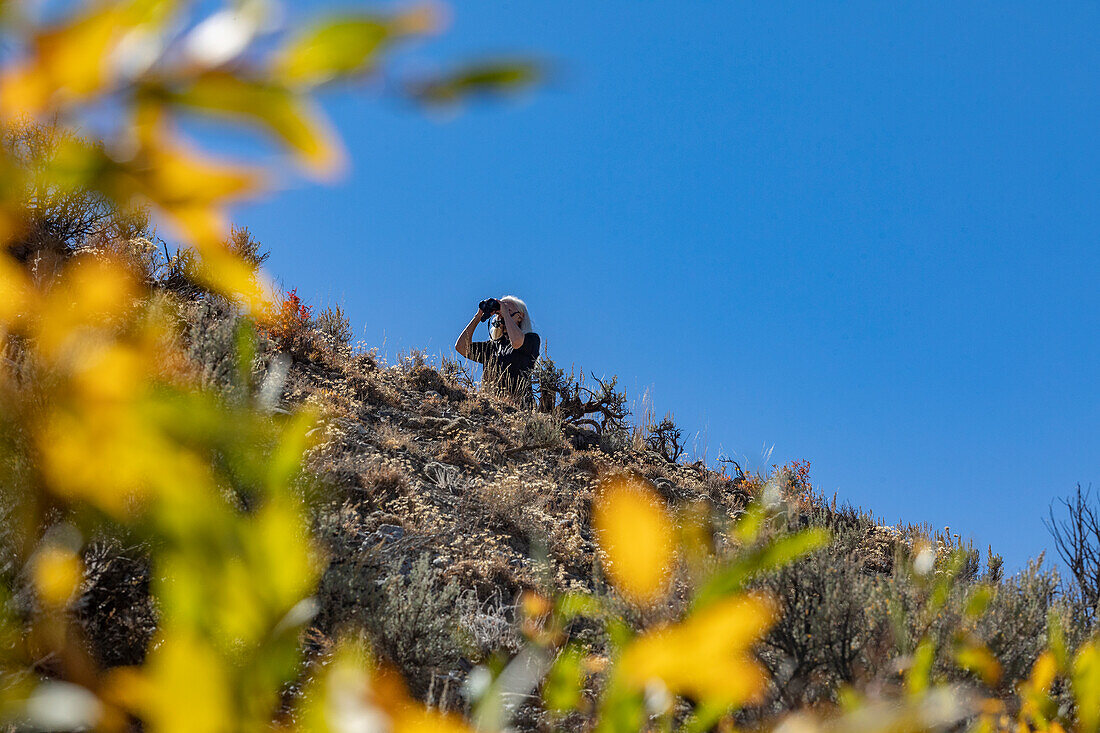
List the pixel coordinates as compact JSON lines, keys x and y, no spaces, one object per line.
{"x":332,"y":404}
{"x":432,"y":405}
{"x":454,"y":451}
{"x":393,"y":439}
{"x":479,"y":406}
{"x":384,"y":480}
{"x":372,"y":388}
{"x":424,"y":378}
{"x":543,"y":430}
{"x":505,"y":498}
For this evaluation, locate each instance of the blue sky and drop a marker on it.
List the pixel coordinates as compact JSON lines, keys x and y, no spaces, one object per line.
{"x":860,"y":234}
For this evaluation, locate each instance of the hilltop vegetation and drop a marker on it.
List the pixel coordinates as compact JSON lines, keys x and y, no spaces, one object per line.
{"x":443,"y":509}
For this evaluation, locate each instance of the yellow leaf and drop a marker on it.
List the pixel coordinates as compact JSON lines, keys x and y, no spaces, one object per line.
{"x":184,"y":687}
{"x":192,"y":192}
{"x":114,"y":373}
{"x":708,"y":656}
{"x":104,"y":456}
{"x":335,"y":47}
{"x":23,"y":91}
{"x":279,"y":548}
{"x":68,"y":64}
{"x":92,"y":294}
{"x":979,"y":660}
{"x":636,"y":532}
{"x":347,"y":44}
{"x":57,"y":575}
{"x":1043,"y":671}
{"x":228,"y":274}
{"x":178,"y":177}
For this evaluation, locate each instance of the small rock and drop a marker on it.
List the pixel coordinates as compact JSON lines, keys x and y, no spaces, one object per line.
{"x":391,"y":532}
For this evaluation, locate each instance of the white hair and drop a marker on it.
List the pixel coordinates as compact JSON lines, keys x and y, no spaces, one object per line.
{"x":524,"y":325}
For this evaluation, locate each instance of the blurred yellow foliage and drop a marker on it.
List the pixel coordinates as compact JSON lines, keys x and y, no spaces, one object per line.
{"x":708,"y":656}
{"x":1086,"y":687}
{"x":57,"y":575}
{"x":184,"y":686}
{"x":355,"y":693}
{"x":636,"y":532}
{"x":112,"y":430}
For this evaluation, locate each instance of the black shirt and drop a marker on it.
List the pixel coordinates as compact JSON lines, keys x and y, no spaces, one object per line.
{"x":509,"y":368}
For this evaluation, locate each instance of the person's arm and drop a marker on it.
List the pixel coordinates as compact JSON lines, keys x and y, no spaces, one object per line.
{"x":462,"y":346}
{"x":514,"y":334}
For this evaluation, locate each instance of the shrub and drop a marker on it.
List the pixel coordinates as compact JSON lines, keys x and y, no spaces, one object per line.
{"x":414,"y":616}
{"x":116,"y":610}
{"x":833,"y":630}
{"x":213,"y":336}
{"x":292,"y":324}
{"x":333,"y":322}
{"x":57,"y":219}
{"x":600,"y":407}
{"x":543,"y":431}
{"x":665,"y":438}
{"x":1015,"y":625}
{"x":241,"y":243}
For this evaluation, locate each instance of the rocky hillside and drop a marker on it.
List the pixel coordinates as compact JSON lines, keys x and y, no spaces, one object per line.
{"x":440,"y":503}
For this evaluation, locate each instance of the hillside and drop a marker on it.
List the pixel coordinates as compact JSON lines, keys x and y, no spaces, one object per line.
{"x":440,"y":504}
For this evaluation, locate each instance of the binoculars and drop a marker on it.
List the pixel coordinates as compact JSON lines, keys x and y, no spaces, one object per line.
{"x":488,"y":307}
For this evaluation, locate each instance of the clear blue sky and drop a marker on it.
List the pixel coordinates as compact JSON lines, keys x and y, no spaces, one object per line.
{"x":863,"y":234}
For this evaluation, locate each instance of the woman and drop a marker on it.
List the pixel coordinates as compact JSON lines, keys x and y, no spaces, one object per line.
{"x":510,"y":354}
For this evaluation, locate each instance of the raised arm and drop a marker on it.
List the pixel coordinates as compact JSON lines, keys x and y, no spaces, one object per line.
{"x":515,"y":335}
{"x":462,"y":346}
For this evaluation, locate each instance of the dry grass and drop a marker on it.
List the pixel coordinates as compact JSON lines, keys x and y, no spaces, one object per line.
{"x":393,"y":439}
{"x":479,"y":406}
{"x":371,"y":386}
{"x":384,"y":477}
{"x":332,"y":404}
{"x":454,"y":452}
{"x":506,"y":498}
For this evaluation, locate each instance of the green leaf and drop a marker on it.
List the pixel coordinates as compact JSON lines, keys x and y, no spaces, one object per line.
{"x":489,"y":77}
{"x":919,"y":676}
{"x":336,"y":47}
{"x":286,"y":460}
{"x":750,"y":523}
{"x":1086,"y":687}
{"x":272,"y":107}
{"x":562,"y":689}
{"x":769,"y":557}
{"x":1056,"y":639}
{"x":978,"y":601}
{"x":945,"y":581}
{"x":571,"y":605}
